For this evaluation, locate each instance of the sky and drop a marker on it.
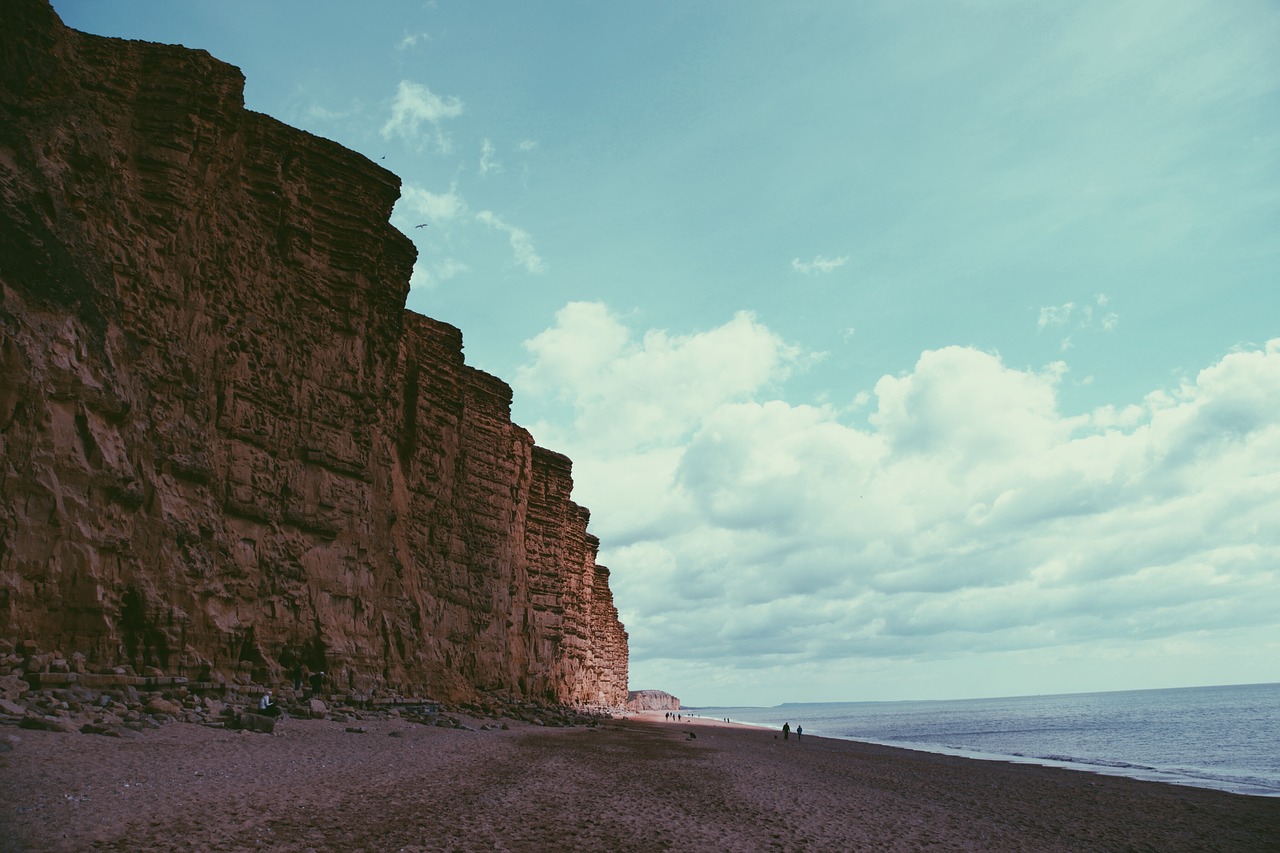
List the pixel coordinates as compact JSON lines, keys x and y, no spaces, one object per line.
{"x":904,"y":350}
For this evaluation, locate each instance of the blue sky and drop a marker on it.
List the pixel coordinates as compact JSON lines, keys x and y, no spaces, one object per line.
{"x":903,"y":350}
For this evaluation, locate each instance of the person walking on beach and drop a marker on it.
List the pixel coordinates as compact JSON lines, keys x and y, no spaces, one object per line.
{"x":799,"y":731}
{"x":786,"y":731}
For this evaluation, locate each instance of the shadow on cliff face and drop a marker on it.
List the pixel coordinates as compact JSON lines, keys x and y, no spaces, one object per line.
{"x":144,"y":643}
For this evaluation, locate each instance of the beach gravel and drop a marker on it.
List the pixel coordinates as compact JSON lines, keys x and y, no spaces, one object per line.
{"x":638,"y":784}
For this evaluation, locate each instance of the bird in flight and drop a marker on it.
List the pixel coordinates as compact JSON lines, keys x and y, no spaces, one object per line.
{"x":423,"y":225}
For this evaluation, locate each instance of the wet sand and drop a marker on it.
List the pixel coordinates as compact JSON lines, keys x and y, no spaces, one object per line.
{"x":636,"y":784}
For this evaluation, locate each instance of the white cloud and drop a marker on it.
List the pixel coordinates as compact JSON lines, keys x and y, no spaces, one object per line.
{"x":487,"y":161}
{"x":1055,"y":315}
{"x":627,"y":393}
{"x":415,"y":106}
{"x":411,"y":40}
{"x":965,"y":521}
{"x":819,"y":265}
{"x":963,"y":402}
{"x":427,"y":275}
{"x":423,"y":204}
{"x":521,"y":242}
{"x":315,"y":111}
{"x":1088,"y":316}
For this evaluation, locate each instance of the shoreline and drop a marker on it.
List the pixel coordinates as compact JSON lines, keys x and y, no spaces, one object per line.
{"x":630,"y":783}
{"x":1124,"y":770}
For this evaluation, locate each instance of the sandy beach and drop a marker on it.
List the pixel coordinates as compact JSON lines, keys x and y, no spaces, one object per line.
{"x":639,"y":783}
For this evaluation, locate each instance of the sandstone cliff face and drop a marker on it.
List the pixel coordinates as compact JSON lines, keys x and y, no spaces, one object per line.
{"x":227,"y":447}
{"x":652,"y":700}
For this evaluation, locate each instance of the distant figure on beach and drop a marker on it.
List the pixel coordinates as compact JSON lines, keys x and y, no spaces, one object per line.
{"x":786,"y":731}
{"x":799,"y":731}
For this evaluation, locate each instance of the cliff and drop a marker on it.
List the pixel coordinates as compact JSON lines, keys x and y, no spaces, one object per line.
{"x":651,"y":700}
{"x":228,"y":451}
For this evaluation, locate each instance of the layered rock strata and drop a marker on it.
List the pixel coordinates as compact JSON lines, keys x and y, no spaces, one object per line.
{"x":651,"y":700}
{"x":228,"y":450}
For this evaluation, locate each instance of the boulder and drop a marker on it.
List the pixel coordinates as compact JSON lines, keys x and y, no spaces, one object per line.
{"x":11,"y":687}
{"x":161,"y":705}
{"x":252,"y":722}
{"x":48,"y":724}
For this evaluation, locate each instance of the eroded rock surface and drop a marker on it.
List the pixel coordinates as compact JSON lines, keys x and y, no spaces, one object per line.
{"x":228,"y":451}
{"x":652,"y":700}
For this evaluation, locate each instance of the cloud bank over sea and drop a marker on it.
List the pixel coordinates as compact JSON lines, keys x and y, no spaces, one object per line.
{"x":954,"y":512}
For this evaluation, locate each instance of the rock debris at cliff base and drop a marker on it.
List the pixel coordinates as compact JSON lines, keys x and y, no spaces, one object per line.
{"x":229,"y":454}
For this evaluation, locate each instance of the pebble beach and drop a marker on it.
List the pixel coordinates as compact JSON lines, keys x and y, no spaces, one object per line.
{"x":629,"y":783}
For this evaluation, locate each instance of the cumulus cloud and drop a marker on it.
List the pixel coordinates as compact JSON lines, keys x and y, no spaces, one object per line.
{"x":417,"y":113}
{"x":627,"y":391}
{"x":964,"y":517}
{"x":521,"y":243}
{"x":819,"y":265}
{"x":421,"y":203}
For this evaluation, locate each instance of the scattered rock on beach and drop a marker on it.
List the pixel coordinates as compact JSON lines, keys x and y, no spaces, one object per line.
{"x":49,"y":691}
{"x":107,"y":729}
{"x":48,"y":723}
{"x":160,"y":705}
{"x":12,"y":687}
{"x":257,"y":723}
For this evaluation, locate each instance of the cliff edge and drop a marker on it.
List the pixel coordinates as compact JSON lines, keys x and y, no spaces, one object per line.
{"x":227,"y":450}
{"x":652,"y":700}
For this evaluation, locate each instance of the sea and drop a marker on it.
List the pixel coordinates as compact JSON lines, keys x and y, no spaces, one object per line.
{"x":1227,"y":738}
